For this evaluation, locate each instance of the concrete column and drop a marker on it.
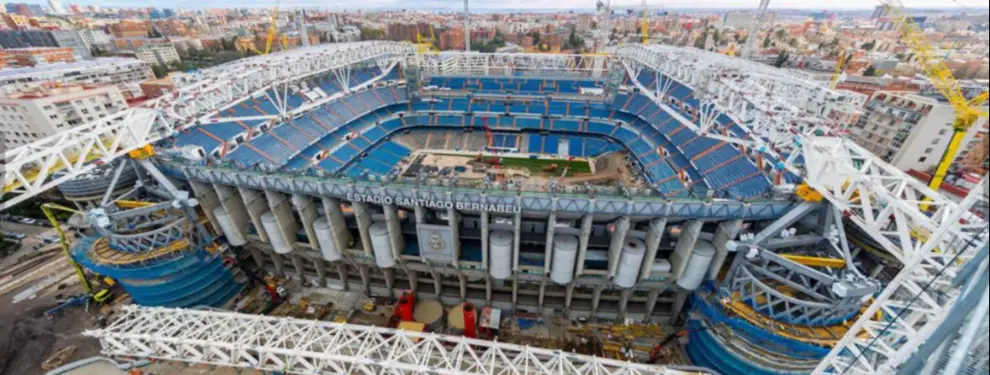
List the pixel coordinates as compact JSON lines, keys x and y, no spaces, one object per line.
{"x":685,"y":246}
{"x":279,"y":263}
{"x":515,"y":291}
{"x":254,"y":205}
{"x":568,"y":296}
{"x":679,"y":303}
{"x":583,"y":240}
{"x":365,"y":279}
{"x":727,"y":231}
{"x":543,"y":291}
{"x":653,"y":238}
{"x":615,"y":248}
{"x":297,"y":263}
{"x":596,"y":297}
{"x":207,"y":198}
{"x":651,"y":304}
{"x":462,"y":282}
{"x":488,"y":289}
{"x":484,"y":247}
{"x":413,"y":278}
{"x":281,"y":207}
{"x":548,"y":250}
{"x":342,"y":274}
{"x":363,"y":218}
{"x":258,"y":257}
{"x":394,"y":232}
{"x":321,"y":270}
{"x":624,"y":302}
{"x":338,"y":225}
{"x":517,"y":226}
{"x":390,"y":281}
{"x":307,"y":215}
{"x":454,"y":221}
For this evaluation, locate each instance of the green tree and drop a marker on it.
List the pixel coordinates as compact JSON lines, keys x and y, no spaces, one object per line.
{"x":793,"y":42}
{"x":766,"y":42}
{"x":368,"y":33}
{"x":781,"y":33}
{"x":700,"y":42}
{"x":870,"y":46}
{"x":782,"y":59}
{"x":160,"y":71}
{"x":870,"y":72}
{"x":536,"y":37}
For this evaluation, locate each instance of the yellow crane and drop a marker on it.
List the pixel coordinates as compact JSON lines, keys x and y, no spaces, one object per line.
{"x":967,"y":111}
{"x":838,"y":70}
{"x":272,"y":29}
{"x":424,"y":44}
{"x":645,"y":25}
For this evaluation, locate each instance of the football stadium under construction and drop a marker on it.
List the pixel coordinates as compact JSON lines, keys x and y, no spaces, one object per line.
{"x":661,"y":210}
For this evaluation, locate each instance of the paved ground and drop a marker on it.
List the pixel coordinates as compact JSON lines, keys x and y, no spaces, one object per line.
{"x":34,"y":234}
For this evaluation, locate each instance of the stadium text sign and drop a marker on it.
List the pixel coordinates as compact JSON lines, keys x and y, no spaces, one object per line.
{"x":432,"y":203}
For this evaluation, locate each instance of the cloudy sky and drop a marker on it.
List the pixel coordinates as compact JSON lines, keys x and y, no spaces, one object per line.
{"x":523,"y":4}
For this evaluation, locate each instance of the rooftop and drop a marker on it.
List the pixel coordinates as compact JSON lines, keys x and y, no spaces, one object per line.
{"x":57,"y":67}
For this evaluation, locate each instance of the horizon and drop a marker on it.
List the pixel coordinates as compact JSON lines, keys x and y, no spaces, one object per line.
{"x":536,"y":6}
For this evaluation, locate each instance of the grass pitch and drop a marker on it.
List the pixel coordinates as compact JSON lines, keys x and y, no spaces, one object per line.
{"x":536,"y":166}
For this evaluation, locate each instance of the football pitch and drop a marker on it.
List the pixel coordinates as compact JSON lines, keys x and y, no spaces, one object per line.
{"x":536,"y":166}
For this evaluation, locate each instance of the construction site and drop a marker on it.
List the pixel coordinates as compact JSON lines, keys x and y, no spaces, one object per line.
{"x":382,"y":208}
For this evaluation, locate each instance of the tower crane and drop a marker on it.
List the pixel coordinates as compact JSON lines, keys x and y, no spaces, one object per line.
{"x":645,"y":25}
{"x":273,"y":28}
{"x":839,"y":65}
{"x":967,"y":111}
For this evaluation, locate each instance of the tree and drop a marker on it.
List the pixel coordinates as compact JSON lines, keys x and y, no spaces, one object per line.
{"x":869,"y":46}
{"x":536,"y":37}
{"x":160,"y":71}
{"x":700,"y":42}
{"x":766,"y":42}
{"x":870,"y":72}
{"x":368,"y":33}
{"x":782,"y":59}
{"x":793,"y":42}
{"x":781,"y":33}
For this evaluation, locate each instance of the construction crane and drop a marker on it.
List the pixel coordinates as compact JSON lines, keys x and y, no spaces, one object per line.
{"x":426,"y":44}
{"x":967,"y":111}
{"x":645,"y":25}
{"x":272,"y":29}
{"x":839,"y":64}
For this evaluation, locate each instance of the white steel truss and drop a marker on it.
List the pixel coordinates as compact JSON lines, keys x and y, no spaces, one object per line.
{"x":512,"y":64}
{"x":297,"y":346}
{"x":31,"y":169}
{"x":933,"y":236}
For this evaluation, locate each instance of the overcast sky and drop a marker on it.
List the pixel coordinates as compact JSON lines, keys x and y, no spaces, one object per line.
{"x":523,"y":4}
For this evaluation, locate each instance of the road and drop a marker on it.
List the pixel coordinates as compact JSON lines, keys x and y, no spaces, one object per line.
{"x":34,"y":234}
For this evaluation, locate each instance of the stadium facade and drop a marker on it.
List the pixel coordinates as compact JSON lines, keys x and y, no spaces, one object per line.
{"x":633,"y":186}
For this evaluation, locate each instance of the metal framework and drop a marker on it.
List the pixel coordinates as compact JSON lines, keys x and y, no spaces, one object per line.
{"x":29,"y":170}
{"x":514,"y":64}
{"x":296,"y":346}
{"x":932,"y":240}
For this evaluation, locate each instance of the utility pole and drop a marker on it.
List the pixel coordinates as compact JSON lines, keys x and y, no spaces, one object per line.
{"x":467,"y":28}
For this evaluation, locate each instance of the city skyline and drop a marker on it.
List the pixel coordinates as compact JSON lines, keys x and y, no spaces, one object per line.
{"x":536,"y":5}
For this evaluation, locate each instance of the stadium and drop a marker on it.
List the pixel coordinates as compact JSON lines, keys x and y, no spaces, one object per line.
{"x":664,"y":185}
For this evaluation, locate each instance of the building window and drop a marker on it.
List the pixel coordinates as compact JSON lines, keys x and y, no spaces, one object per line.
{"x":936,"y":141}
{"x":85,"y":111}
{"x":923,"y":159}
{"x":943,"y":131}
{"x":928,"y":151}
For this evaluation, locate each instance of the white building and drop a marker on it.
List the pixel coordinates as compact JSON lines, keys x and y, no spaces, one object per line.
{"x":56,"y":7}
{"x":44,"y":111}
{"x":908,"y":130}
{"x":96,"y":39}
{"x":157,"y":53}
{"x":125,"y":73}
{"x":743,"y":20}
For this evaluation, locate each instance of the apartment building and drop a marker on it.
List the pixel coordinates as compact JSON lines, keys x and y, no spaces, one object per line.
{"x":125,"y":73}
{"x":910,"y":131}
{"x":157,"y":53}
{"x":34,"y":56}
{"x":96,"y":39}
{"x":129,"y":29}
{"x":46,"y":110}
